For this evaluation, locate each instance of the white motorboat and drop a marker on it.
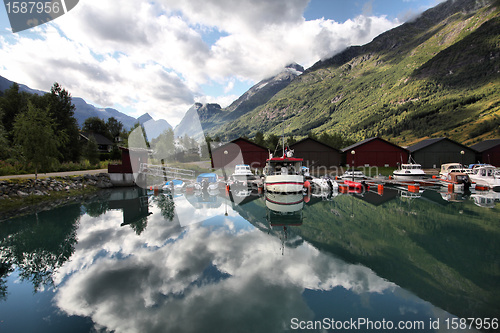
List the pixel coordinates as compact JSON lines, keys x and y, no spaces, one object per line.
{"x":353,"y":175}
{"x":323,"y":185}
{"x":409,"y":171}
{"x":487,"y":176}
{"x":284,"y":174}
{"x":242,"y":170}
{"x":242,"y":175}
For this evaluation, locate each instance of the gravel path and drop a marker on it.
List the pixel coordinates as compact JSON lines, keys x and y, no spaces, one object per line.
{"x":57,"y":174}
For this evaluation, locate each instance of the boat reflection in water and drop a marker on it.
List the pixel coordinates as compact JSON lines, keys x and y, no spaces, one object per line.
{"x":284,"y":210}
{"x":486,"y":199}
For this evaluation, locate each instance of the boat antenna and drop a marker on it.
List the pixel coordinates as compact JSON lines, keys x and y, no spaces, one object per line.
{"x":276,"y":148}
{"x":283,"y":135}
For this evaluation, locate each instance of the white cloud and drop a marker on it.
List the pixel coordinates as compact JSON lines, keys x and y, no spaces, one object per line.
{"x":247,"y":17}
{"x":223,"y":101}
{"x":152,"y":57}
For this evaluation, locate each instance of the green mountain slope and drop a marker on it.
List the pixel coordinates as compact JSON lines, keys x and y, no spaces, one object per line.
{"x":212,"y":116}
{"x":436,"y":76}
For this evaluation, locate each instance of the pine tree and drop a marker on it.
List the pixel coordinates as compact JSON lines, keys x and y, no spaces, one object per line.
{"x":62,"y":111}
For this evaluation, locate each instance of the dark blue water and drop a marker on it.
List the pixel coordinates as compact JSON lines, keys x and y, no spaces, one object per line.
{"x":130,"y":261}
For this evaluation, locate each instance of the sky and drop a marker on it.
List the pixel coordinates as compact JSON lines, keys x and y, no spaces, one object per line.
{"x":162,"y":56}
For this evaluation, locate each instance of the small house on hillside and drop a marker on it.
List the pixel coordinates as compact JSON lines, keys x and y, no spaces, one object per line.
{"x":431,"y":153}
{"x":252,"y":154}
{"x":488,"y":151}
{"x":317,"y":154}
{"x":104,"y":145}
{"x":375,"y":152}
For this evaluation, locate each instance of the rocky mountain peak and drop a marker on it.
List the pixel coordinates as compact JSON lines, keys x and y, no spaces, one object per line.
{"x":144,"y":118}
{"x":295,"y":66}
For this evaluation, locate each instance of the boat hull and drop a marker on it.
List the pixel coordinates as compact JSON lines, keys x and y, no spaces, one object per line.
{"x":494,"y":186}
{"x":284,"y":203}
{"x":457,"y":187}
{"x":284,"y":183}
{"x":408,"y":176}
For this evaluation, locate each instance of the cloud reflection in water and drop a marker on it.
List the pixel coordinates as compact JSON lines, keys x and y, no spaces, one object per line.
{"x":198,"y":278}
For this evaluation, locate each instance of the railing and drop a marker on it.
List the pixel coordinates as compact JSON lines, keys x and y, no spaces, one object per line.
{"x":164,"y":171}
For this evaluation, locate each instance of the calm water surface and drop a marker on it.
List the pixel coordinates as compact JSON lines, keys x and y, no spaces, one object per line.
{"x":135,"y":262}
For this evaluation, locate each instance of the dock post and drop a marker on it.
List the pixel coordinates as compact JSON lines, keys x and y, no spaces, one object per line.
{"x":413,"y":188}
{"x":380,"y":189}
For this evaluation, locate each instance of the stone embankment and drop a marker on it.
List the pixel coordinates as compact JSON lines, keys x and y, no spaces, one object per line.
{"x":46,"y":186}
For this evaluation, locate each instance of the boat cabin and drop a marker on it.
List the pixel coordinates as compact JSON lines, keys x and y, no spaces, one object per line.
{"x":411,"y":167}
{"x":486,"y":171}
{"x":453,"y":167}
{"x":208,"y":177}
{"x":457,"y":177}
{"x":242,"y":169}
{"x":447,"y":167}
{"x":283,"y":166}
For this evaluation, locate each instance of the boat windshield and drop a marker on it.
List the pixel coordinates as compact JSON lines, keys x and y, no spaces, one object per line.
{"x":210,"y":177}
{"x":411,"y":166}
{"x":243,"y":169}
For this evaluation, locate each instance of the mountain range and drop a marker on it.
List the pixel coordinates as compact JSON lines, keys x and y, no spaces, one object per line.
{"x":437,"y":75}
{"x":208,"y":118}
{"x":153,"y":127}
{"x":84,"y":110}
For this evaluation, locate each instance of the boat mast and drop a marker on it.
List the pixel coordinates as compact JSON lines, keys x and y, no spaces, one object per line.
{"x":283,"y":136}
{"x":283,"y":144}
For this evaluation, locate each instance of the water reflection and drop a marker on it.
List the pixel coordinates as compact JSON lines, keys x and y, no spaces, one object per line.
{"x":284,"y":209}
{"x":250,"y":262}
{"x":38,"y":245}
{"x":442,"y":251}
{"x":486,"y":199}
{"x":202,"y":279}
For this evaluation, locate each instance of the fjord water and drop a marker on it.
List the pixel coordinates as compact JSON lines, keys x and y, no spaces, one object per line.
{"x":129,"y":261}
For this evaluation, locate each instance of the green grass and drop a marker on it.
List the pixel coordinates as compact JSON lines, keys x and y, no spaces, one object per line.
{"x":14,"y":167}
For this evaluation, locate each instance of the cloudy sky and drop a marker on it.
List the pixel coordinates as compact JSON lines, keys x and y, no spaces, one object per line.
{"x":162,"y":56}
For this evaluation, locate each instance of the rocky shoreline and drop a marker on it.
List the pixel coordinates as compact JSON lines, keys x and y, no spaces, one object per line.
{"x":10,"y":190}
{"x":25,"y":196}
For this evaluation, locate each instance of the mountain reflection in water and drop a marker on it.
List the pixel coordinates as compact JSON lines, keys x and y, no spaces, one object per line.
{"x":134,"y":262}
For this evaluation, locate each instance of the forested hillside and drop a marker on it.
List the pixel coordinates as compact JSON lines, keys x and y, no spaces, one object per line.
{"x":438,"y":75}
